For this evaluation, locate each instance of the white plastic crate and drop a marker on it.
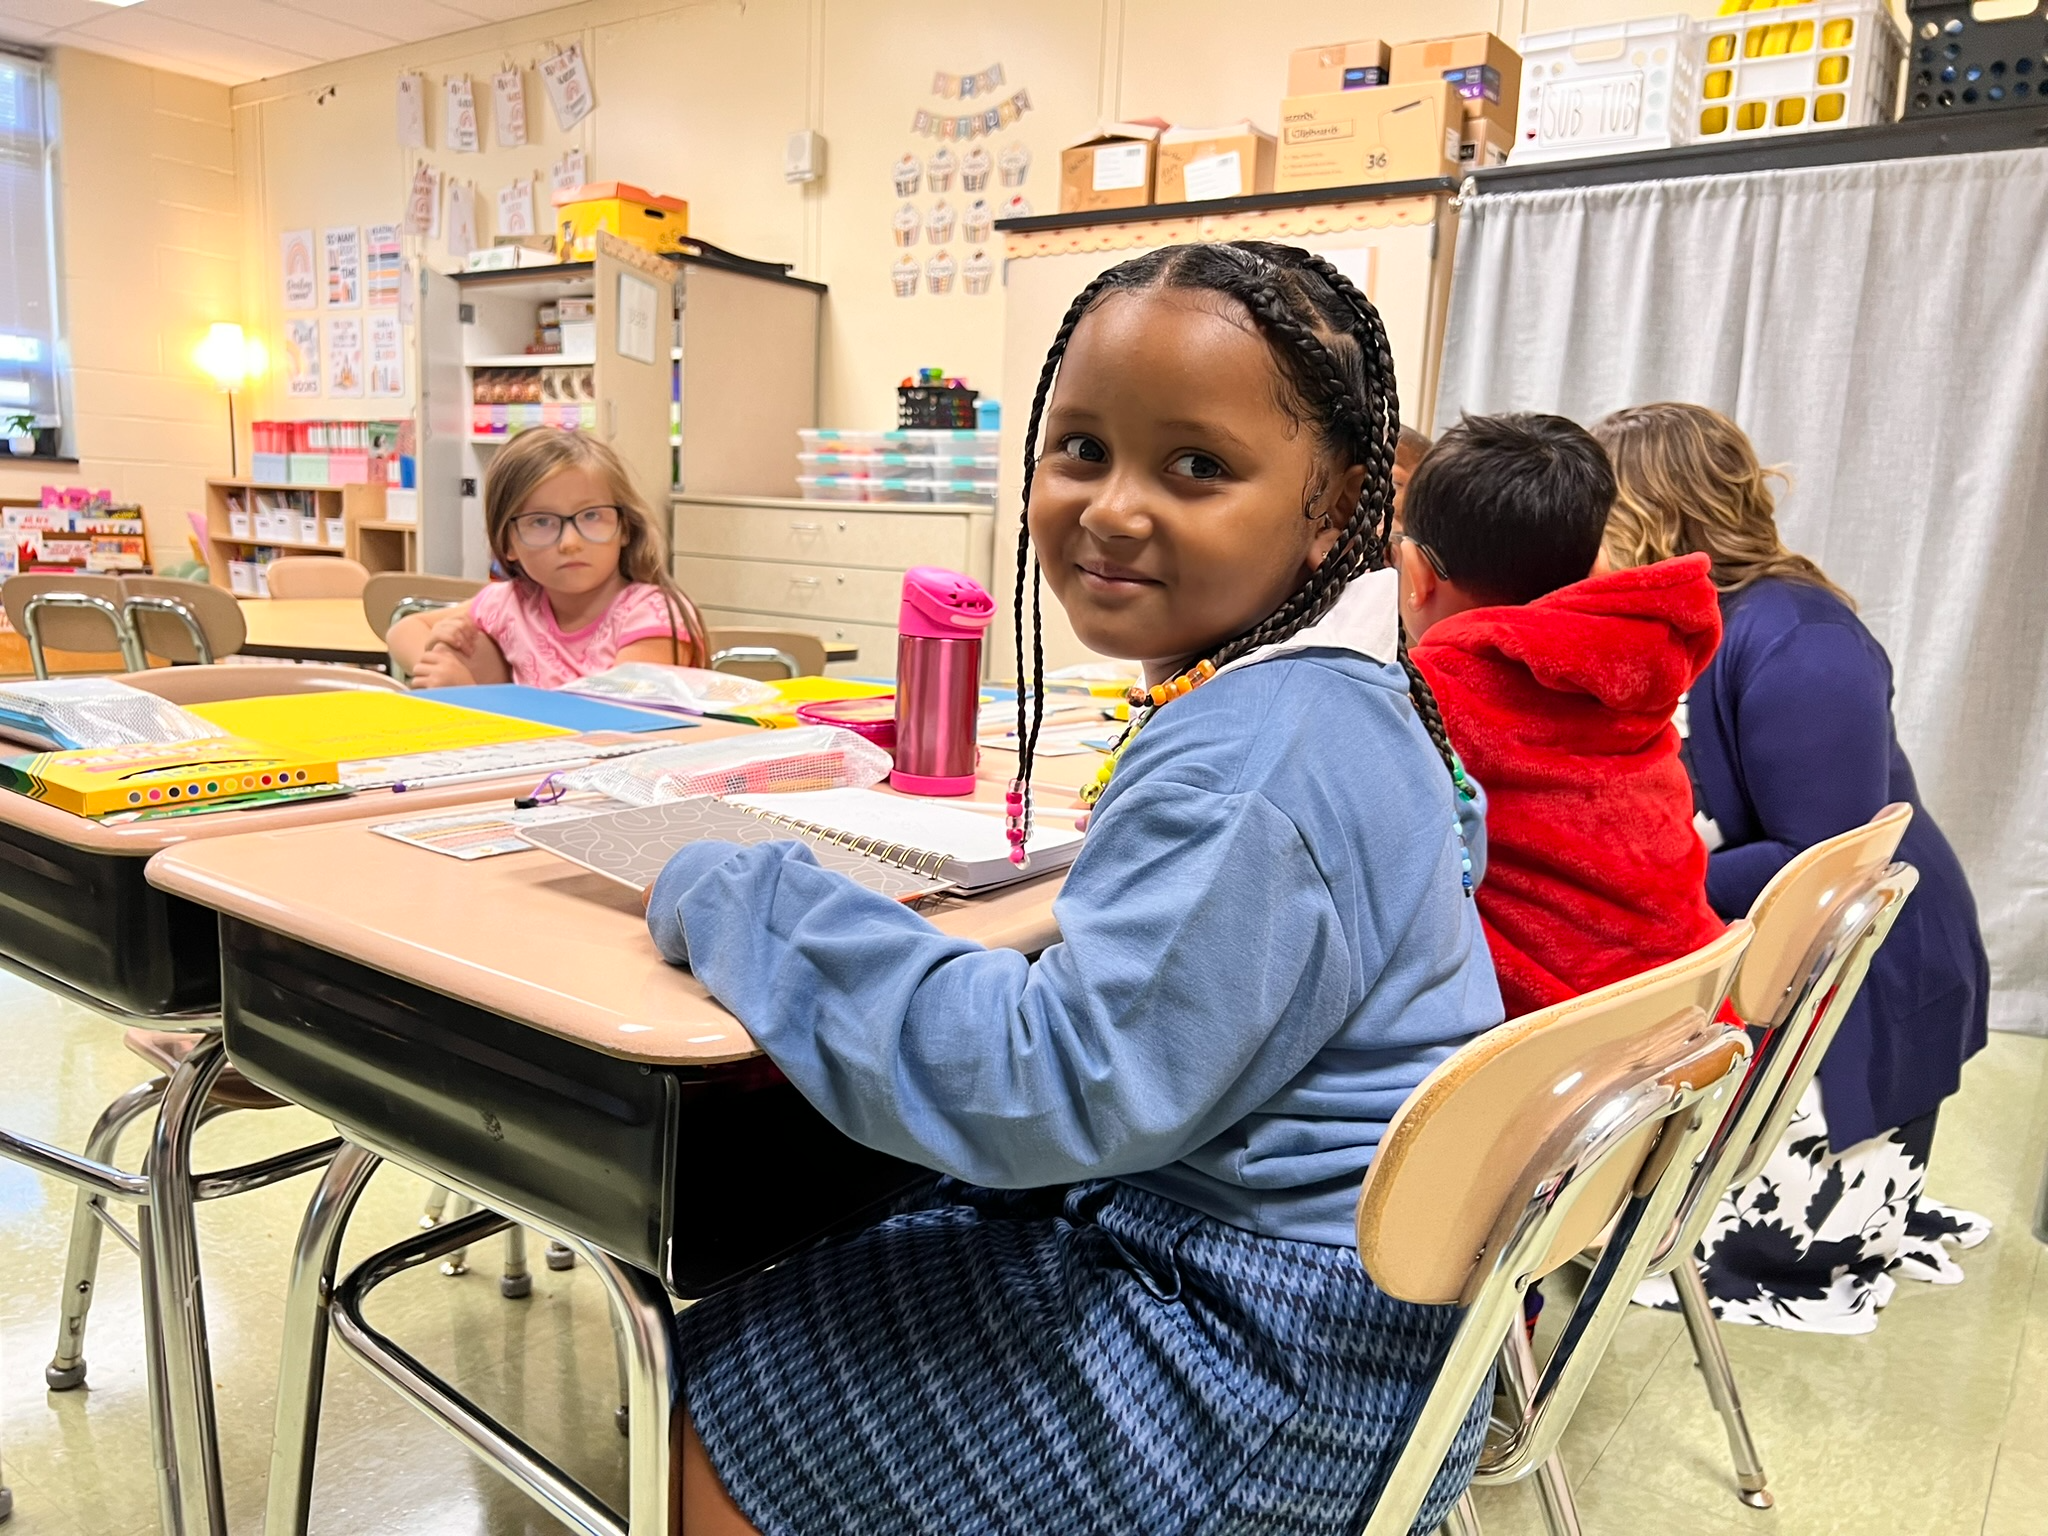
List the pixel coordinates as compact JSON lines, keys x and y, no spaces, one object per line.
{"x":1797,"y":69}
{"x":1613,"y":89}
{"x":831,"y":440}
{"x":832,"y":488}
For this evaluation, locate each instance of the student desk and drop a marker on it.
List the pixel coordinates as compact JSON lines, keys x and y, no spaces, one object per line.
{"x":506,"y":1028}
{"x":311,"y":629}
{"x":78,"y":917}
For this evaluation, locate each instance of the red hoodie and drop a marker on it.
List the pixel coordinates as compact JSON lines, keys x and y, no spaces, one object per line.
{"x":1561,"y":708}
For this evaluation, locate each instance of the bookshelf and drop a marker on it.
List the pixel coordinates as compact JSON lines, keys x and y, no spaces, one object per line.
{"x":246,"y":517}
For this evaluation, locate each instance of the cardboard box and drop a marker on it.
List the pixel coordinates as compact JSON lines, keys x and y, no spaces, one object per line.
{"x":1337,"y":67}
{"x":1198,"y":164}
{"x":1112,"y":170}
{"x":1484,"y":144}
{"x":1353,"y":138}
{"x":1486,"y":72}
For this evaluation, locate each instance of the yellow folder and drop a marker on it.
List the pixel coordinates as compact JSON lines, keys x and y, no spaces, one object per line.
{"x":343,"y":727}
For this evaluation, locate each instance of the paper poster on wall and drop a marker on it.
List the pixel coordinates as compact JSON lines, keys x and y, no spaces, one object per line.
{"x":301,"y":279}
{"x":344,"y":355}
{"x":461,"y":219}
{"x":387,"y":356}
{"x":412,"y":111}
{"x":408,"y":291}
{"x":508,"y":101}
{"x":461,"y":128}
{"x":515,"y":208}
{"x":302,"y":356}
{"x":343,"y":252}
{"x":636,"y":317}
{"x":423,"y":203}
{"x":382,"y":264}
{"x":568,"y":86}
{"x":569,"y":173}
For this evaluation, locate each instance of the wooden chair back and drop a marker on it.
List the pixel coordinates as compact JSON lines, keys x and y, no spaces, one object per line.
{"x":165,"y":611}
{"x":81,"y":612}
{"x":388,"y":591}
{"x":767,"y":655}
{"x":257,"y":680}
{"x":316,"y":576}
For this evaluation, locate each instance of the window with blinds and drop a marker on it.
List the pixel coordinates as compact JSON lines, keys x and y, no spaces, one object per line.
{"x":32,"y":385}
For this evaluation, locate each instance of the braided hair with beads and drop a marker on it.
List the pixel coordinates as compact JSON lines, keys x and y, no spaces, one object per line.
{"x":1332,"y":352}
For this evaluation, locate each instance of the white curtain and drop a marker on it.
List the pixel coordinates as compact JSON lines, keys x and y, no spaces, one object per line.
{"x":1881,"y":331}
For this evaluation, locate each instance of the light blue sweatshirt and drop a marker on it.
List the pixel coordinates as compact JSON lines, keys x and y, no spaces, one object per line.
{"x":1265,"y":947}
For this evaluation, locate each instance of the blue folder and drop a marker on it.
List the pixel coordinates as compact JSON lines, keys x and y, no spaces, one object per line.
{"x":543,"y":706}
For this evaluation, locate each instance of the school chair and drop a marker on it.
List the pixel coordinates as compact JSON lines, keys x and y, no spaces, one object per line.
{"x":257,"y":680}
{"x":81,"y":612}
{"x":316,"y":576}
{"x":185,"y":622}
{"x":766,"y":654}
{"x":1509,"y":1158}
{"x":393,"y":595}
{"x":1817,"y":926}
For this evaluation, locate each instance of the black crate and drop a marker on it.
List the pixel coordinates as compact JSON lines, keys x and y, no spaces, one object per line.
{"x":1959,"y":64}
{"x":934,"y":407}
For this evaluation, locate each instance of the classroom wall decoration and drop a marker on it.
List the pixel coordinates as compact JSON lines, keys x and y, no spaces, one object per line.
{"x":463,"y":136}
{"x":515,"y":207}
{"x":973,"y":164}
{"x":508,"y":101}
{"x":568,"y":86}
{"x":974,"y":168}
{"x":967,"y":87}
{"x":939,"y":271}
{"x":302,"y":356}
{"x":412,"y":111}
{"x":972,"y":125}
{"x":344,"y":356}
{"x":301,"y":282}
{"x":343,"y":254}
{"x":977,"y":271}
{"x":423,"y":203}
{"x":569,"y":171}
{"x":461,"y":219}
{"x":383,"y":265}
{"x":904,"y":276}
{"x":387,"y":357}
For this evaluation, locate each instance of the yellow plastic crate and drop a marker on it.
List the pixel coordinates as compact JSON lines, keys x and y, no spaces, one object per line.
{"x":1797,"y":69}
{"x":661,"y":224}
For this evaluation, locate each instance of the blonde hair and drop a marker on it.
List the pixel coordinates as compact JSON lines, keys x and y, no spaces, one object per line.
{"x":1688,"y":481}
{"x":534,"y":456}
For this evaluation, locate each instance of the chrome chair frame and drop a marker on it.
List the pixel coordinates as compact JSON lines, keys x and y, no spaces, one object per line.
{"x":318,"y":1306}
{"x":1690,"y":1115}
{"x":154,"y":603}
{"x":124,"y":632}
{"x":760,"y":653}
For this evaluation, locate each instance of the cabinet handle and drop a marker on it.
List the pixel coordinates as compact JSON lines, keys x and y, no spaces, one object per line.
{"x":804,"y":581}
{"x":808,"y":527}
{"x":842,"y":525}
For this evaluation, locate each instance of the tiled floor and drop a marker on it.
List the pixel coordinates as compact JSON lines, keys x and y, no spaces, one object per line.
{"x":1936,"y":1423}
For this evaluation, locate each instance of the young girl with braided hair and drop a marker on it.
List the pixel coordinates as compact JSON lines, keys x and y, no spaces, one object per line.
{"x":1130,"y":1302}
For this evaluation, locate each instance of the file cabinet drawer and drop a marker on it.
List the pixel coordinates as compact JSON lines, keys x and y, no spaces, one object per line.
{"x":802,"y":591}
{"x":821,"y":533}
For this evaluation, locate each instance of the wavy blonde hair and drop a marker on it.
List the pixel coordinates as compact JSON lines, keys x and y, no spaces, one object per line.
{"x":1689,"y":482}
{"x":531,"y":458}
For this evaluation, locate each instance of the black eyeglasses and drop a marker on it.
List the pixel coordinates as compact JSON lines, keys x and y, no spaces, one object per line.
{"x":543,"y":530}
{"x":1398,"y":538}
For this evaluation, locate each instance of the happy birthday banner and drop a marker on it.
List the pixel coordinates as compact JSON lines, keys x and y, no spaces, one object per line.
{"x":972,"y":126}
{"x":966,"y":87}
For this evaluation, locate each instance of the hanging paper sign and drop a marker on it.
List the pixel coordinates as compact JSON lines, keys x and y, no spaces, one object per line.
{"x":904,"y":276}
{"x":461,"y":219}
{"x":412,"y":111}
{"x":977,"y":271}
{"x":301,"y":282}
{"x":973,"y":125}
{"x":302,"y":356}
{"x":508,"y":100}
{"x":408,"y":291}
{"x":966,"y":87}
{"x":462,"y":130}
{"x":381,"y":266}
{"x":344,"y":356}
{"x":387,"y":357}
{"x":568,"y":173}
{"x":423,"y":204}
{"x":568,"y":86}
{"x":344,"y":254}
{"x":515,"y":208}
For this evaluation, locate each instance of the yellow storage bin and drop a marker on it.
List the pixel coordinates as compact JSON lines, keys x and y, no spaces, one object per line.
{"x":661,"y":224}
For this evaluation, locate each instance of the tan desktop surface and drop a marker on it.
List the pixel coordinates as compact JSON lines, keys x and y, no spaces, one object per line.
{"x":311,"y":623}
{"x":529,"y":936}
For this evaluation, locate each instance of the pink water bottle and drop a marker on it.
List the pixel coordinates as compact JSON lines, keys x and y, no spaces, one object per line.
{"x":938,"y":680}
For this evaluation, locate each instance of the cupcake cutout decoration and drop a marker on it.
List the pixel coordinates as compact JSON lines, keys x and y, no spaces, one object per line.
{"x":1016,"y":208}
{"x":909,"y":169}
{"x":939,"y":272}
{"x":938,"y":170}
{"x":938,"y":224}
{"x":977,"y":272}
{"x":904,"y":276}
{"x":1014,"y":165}
{"x":974,"y":169}
{"x":976,"y":223}
{"x":906,"y":224}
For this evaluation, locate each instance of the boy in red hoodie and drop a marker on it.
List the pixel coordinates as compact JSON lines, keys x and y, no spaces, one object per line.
{"x":1558,"y":689}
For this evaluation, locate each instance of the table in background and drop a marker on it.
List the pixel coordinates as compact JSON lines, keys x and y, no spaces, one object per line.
{"x":311,"y":629}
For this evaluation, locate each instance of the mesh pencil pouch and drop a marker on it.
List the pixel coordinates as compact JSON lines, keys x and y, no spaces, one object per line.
{"x":63,"y":713}
{"x":692,"y":690}
{"x":810,"y":757}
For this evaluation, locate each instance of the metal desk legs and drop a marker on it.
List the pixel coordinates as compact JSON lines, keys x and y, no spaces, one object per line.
{"x":641,"y":1311}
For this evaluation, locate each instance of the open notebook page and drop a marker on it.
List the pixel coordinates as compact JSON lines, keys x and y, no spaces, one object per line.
{"x":975,"y":852}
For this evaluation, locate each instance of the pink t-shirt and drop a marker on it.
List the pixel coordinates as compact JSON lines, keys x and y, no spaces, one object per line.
{"x":518,"y":617}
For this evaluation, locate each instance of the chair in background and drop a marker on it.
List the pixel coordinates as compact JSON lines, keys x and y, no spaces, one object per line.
{"x":1509,"y":1158}
{"x":767,"y":655}
{"x":257,"y":680}
{"x":394,"y":595}
{"x":188,"y":622}
{"x":54,"y":609}
{"x":316,"y":576}
{"x":1817,"y":925}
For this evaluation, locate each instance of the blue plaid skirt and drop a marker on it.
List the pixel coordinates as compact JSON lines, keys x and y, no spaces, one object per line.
{"x":1089,"y":1361}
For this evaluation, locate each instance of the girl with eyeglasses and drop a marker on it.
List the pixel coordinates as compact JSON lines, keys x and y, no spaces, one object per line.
{"x":589,"y":588}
